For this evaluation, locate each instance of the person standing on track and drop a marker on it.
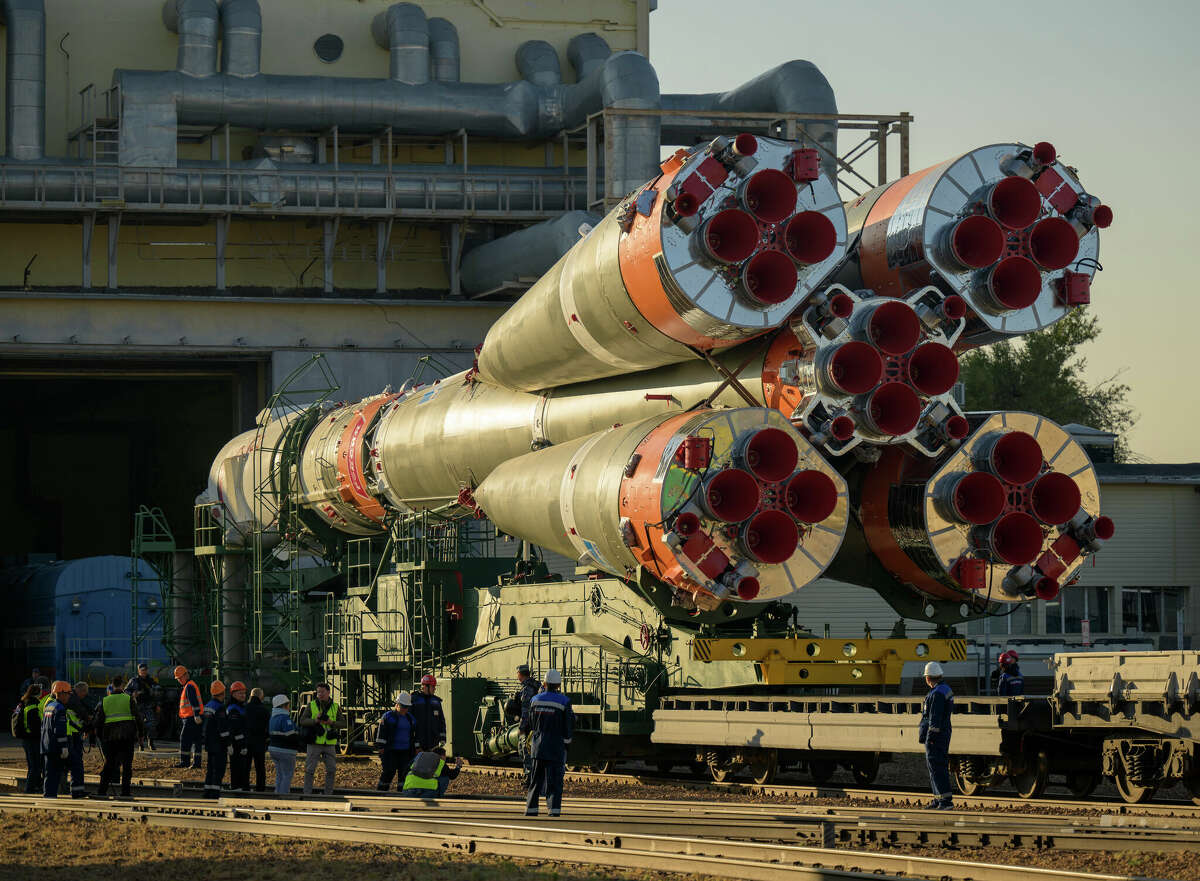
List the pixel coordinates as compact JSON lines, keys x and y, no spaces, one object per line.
{"x":29,"y":729}
{"x":191,"y":719}
{"x":529,"y":690}
{"x":239,"y":759}
{"x":258,"y":721}
{"x":120,"y":729}
{"x":321,"y":721}
{"x":427,"y":714}
{"x":934,"y":732}
{"x":216,"y":740}
{"x":284,"y":742}
{"x":79,"y":723}
{"x":141,"y":688}
{"x":1010,"y":683}
{"x":55,"y":739}
{"x":553,"y":726}
{"x":395,"y":742}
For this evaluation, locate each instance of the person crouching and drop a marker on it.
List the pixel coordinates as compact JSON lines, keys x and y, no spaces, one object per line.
{"x":429,"y":775}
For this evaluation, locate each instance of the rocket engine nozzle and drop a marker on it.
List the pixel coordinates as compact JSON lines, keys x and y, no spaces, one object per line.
{"x":769,"y":277}
{"x":892,"y":409}
{"x":1015,"y":203}
{"x":894,"y":327}
{"x":852,"y":368}
{"x":1015,"y":457}
{"x":810,"y":237}
{"x":770,"y":455}
{"x":933,"y":369}
{"x":1053,"y":243}
{"x":1015,"y":539}
{"x":770,"y":195}
{"x":731,"y":495}
{"x":730,"y":236}
{"x":1055,"y":498}
{"x":976,"y":242}
{"x":770,"y":537}
{"x":1014,"y":283}
{"x":976,"y":497}
{"x":811,"y":496}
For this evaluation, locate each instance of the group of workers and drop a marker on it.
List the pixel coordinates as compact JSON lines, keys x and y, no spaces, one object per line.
{"x":52,"y":720}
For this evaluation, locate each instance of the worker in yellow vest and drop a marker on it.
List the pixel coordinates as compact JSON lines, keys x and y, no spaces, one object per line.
{"x":321,"y":722}
{"x":120,"y":728}
{"x":430,"y":775}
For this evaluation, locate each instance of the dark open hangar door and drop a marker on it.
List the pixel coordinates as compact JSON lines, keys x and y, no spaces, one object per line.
{"x":84,"y":442}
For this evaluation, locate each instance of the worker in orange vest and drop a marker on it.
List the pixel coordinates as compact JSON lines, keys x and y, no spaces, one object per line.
{"x":191,"y":719}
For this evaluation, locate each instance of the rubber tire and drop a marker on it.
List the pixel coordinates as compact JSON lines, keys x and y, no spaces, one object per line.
{"x":1131,"y":793}
{"x":1031,"y":783}
{"x":821,"y":770}
{"x":1082,"y":783}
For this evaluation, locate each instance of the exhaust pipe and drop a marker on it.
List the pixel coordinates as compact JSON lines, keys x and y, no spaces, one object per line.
{"x":25,"y":86}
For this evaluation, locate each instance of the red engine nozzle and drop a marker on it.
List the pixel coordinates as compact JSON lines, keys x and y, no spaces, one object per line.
{"x":745,"y":144}
{"x":956,"y":427}
{"x":770,"y":277}
{"x":841,"y":306}
{"x":892,"y":409}
{"x":976,"y":241}
{"x":729,"y":236}
{"x":730,"y":495}
{"x":770,"y":454}
{"x":1104,"y":528}
{"x":1053,"y":243}
{"x":809,"y":237}
{"x":1044,"y":153}
{"x":841,"y":428}
{"x":686,"y":204}
{"x":1055,"y":498}
{"x":854,"y":367}
{"x":747,"y":588}
{"x":976,"y":498}
{"x":933,"y":369}
{"x":1016,"y":538}
{"x":770,"y":195}
{"x":687,"y":524}
{"x":811,"y":496}
{"x":894,"y":327}
{"x":1015,"y":202}
{"x":1102,"y":216}
{"x":1015,"y":457}
{"x":770,"y":537}
{"x":954,"y":307}
{"x":1046,"y":588}
{"x":1015,"y":282}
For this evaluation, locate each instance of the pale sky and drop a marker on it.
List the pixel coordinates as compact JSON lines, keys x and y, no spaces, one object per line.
{"x":1113,"y":85}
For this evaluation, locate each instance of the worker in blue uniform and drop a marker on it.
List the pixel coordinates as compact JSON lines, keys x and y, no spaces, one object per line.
{"x":429,"y":721}
{"x":529,"y":690}
{"x":239,"y":759}
{"x":1010,"y":682}
{"x":553,"y":725}
{"x":935,"y":734}
{"x":397,"y":731}
{"x":55,"y":747}
{"x":216,"y":740}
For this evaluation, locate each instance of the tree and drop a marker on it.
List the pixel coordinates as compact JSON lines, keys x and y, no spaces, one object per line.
{"x":1043,"y":373}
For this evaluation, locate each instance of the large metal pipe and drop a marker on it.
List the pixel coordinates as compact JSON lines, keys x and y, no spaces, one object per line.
{"x":537,"y":61}
{"x":241,"y":38}
{"x":445,"y":58}
{"x":25,"y":84}
{"x":526,"y":253}
{"x":404,"y":32}
{"x":587,"y":53}
{"x":197,"y":22}
{"x":792,"y":87}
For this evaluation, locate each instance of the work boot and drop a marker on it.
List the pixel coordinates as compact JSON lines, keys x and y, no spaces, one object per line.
{"x":935,"y":805}
{"x":945,"y":805}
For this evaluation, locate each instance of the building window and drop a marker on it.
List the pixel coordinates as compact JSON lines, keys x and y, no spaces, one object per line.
{"x":1014,"y":622}
{"x":1076,"y":605}
{"x":1147,"y":610}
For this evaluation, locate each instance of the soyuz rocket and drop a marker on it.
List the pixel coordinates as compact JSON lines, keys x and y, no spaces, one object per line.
{"x":736,"y":383}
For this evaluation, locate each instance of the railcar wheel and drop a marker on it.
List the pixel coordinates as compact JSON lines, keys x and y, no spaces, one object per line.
{"x":764,"y":768}
{"x":1030,"y":782}
{"x":699,"y":769}
{"x":821,"y":770}
{"x":719,"y":773}
{"x":600,"y":766}
{"x":1082,"y":783}
{"x":1131,"y":792}
{"x":963,"y":784}
{"x":865,"y":769}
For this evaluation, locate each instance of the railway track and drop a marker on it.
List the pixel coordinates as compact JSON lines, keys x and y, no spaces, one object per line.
{"x":751,"y":843}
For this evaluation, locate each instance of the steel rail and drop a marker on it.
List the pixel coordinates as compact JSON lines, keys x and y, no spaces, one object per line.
{"x":742,"y":860}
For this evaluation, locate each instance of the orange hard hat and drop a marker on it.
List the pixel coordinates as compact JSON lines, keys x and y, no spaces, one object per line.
{"x":181,"y":671}
{"x":217,"y":687}
{"x":238,"y":686}
{"x":60,"y":687}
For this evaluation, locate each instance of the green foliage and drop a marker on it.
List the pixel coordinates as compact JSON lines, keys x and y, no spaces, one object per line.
{"x":1043,"y":373}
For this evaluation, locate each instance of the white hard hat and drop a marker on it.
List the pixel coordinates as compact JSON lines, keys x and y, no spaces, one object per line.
{"x":280,"y":700}
{"x":553,"y":677}
{"x":933,"y":668}
{"x":404,"y":699}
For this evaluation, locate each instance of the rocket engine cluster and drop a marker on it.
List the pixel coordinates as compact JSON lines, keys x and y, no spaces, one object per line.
{"x":735,"y":383}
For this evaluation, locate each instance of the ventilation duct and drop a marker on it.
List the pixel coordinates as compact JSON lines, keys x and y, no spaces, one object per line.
{"x":444,"y":56}
{"x":404,"y":32}
{"x":526,"y":253}
{"x":241,"y":37}
{"x":587,"y":52}
{"x":25,"y":89}
{"x":793,"y":87}
{"x":196,"y":23}
{"x":538,"y":62}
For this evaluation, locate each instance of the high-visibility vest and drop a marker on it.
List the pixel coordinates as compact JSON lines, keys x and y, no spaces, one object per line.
{"x":41,"y":705}
{"x":117,"y":708}
{"x":29,"y":710}
{"x":412,"y":781}
{"x":322,"y":738}
{"x":74,"y":725}
{"x":186,"y":710}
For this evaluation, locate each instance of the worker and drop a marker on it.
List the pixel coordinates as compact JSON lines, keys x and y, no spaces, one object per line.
{"x":553,"y":725}
{"x":239,"y":757}
{"x":55,"y":739}
{"x":27,"y":725}
{"x":121,"y":729}
{"x":258,"y":722}
{"x":216,"y":740}
{"x":79,"y":724}
{"x":191,"y":719}
{"x":529,"y":690}
{"x":141,"y":689}
{"x":428,"y":718}
{"x":430,"y":775}
{"x":395,"y":742}
{"x":35,"y":676}
{"x":321,"y":722}
{"x":1010,"y":683}
{"x":934,"y":732}
{"x":284,"y":742}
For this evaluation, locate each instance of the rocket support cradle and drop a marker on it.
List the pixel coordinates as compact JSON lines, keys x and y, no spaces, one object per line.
{"x":685,"y":402}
